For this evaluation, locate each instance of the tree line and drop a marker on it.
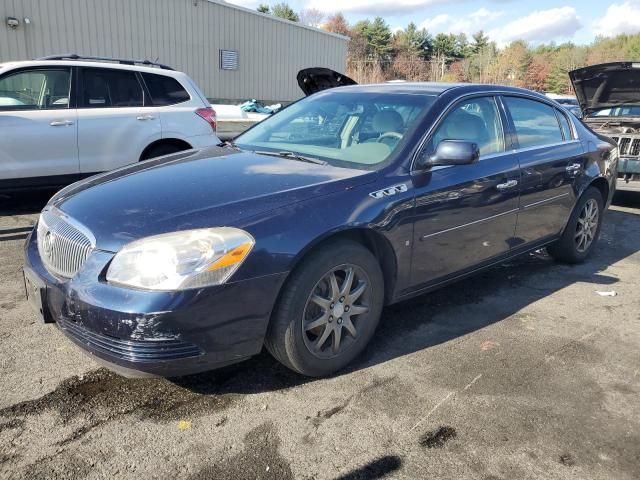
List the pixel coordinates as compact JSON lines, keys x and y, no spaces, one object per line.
{"x":377,"y":54}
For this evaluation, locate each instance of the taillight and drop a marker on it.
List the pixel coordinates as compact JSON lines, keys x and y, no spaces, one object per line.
{"x":209,"y":115}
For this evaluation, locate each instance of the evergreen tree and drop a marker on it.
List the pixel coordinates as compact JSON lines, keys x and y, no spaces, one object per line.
{"x":480,"y":42}
{"x":263,"y":8}
{"x":283,"y":10}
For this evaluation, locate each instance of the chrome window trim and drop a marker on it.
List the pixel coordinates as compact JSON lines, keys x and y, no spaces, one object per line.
{"x":509,"y":152}
{"x":535,"y":147}
{"x":475,"y":222}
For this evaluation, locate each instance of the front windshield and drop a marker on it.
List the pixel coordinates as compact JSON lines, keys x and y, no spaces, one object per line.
{"x":621,"y":111}
{"x":350,"y":129}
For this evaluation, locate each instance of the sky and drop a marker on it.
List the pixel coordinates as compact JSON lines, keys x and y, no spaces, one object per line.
{"x":535,"y":21}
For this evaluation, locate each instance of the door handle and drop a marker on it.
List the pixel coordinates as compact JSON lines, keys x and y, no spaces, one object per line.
{"x":574,"y":168}
{"x":61,"y":123}
{"x":145,"y":117}
{"x":507,"y":185}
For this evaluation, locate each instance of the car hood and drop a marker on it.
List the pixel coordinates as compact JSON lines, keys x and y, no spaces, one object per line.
{"x":606,"y":85}
{"x":316,"y":79}
{"x":195,"y":189}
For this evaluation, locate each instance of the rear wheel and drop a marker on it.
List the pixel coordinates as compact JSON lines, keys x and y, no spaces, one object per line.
{"x":328,"y":311}
{"x":583,"y":229}
{"x":160,"y":150}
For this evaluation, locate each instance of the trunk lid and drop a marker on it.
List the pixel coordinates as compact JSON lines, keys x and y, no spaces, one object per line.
{"x":316,"y":79}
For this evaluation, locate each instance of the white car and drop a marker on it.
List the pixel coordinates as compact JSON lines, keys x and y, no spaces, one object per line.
{"x":67,"y":117}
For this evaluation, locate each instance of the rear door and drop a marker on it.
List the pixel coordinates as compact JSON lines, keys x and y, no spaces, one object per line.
{"x":38,"y":126}
{"x":465,"y":215}
{"x":551,"y":159}
{"x":116,"y":120}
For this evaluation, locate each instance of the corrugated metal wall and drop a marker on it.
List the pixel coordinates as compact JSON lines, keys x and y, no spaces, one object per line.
{"x":186,"y":34}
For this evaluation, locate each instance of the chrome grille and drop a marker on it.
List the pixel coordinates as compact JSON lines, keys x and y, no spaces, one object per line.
{"x":628,"y":146}
{"x":63,"y":243}
{"x":623,"y":145}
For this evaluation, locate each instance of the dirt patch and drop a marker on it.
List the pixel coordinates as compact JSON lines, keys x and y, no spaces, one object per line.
{"x":437,"y":438}
{"x":12,"y":424}
{"x":101,"y":396}
{"x":63,"y":466}
{"x":567,"y":460}
{"x":259,"y":459}
{"x":378,"y":468}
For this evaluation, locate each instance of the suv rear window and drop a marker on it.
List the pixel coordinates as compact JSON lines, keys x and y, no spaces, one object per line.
{"x":165,"y":90}
{"x":104,"y":88}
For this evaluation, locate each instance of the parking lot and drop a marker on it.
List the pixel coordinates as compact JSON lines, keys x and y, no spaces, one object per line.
{"x":524,"y":371}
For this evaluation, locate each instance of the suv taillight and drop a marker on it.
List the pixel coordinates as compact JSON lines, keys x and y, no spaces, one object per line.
{"x":209,"y":115}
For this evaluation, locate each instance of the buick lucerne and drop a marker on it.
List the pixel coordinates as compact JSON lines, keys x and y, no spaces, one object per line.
{"x":295,"y":236}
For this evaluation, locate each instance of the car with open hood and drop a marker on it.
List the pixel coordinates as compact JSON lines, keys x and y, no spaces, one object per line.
{"x":609,"y":96}
{"x":295,"y":236}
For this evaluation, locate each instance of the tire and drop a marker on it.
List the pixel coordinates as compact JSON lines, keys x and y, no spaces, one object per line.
{"x":575,"y":245}
{"x":292,"y":338}
{"x":160,"y":150}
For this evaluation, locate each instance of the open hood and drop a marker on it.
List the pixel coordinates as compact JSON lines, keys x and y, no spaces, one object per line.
{"x":316,"y":79}
{"x":606,"y":85}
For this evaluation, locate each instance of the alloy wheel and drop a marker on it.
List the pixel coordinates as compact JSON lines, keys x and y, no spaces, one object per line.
{"x":334,"y":310}
{"x":587,"y":226}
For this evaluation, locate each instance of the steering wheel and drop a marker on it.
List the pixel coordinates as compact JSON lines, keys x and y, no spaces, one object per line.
{"x":395,"y":135}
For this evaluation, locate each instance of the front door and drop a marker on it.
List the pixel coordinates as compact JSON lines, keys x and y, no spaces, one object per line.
{"x":115,"y":120}
{"x":466,"y":214}
{"x":38,"y":127}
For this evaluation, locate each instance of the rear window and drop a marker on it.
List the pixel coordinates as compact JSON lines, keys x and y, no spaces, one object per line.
{"x":536,"y":122}
{"x":103,"y":88}
{"x":165,"y":90}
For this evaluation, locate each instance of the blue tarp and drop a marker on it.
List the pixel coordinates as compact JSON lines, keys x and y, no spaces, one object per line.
{"x":254,"y":106}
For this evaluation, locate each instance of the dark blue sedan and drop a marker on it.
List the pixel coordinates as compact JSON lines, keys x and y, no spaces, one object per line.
{"x":297,"y":235}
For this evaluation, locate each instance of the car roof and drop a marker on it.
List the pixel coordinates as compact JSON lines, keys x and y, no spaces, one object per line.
{"x":80,"y":63}
{"x":436,"y":88}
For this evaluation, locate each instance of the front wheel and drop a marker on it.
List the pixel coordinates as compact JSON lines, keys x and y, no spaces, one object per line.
{"x":328,"y":310}
{"x":582,"y":231}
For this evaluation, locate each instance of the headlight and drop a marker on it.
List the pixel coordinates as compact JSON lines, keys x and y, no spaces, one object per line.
{"x":181,"y":260}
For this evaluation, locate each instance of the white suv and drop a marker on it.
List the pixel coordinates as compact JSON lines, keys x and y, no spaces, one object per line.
{"x":67,"y":117}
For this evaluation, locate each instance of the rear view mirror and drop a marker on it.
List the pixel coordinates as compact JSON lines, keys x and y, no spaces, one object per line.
{"x":453,"y":152}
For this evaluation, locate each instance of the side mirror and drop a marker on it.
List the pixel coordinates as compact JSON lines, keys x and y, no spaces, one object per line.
{"x":453,"y":152}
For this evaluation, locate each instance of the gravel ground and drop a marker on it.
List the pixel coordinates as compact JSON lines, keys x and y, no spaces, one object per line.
{"x":521,"y":372}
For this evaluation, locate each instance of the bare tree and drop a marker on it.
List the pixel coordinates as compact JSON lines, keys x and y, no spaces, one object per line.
{"x":312,"y":17}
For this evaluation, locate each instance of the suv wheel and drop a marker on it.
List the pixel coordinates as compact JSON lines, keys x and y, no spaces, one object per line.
{"x":582,"y":232}
{"x":160,"y":150}
{"x":328,"y":310}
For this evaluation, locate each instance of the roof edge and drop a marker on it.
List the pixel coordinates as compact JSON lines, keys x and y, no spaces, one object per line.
{"x":223,"y":3}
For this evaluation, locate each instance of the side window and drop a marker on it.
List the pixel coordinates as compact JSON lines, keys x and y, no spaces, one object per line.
{"x":475,"y":120}
{"x":104,"y":88}
{"x":36,"y":90}
{"x":564,"y":125}
{"x":165,"y":90}
{"x":535,"y":122}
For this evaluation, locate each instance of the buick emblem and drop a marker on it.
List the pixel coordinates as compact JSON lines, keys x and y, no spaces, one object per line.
{"x":49,"y":239}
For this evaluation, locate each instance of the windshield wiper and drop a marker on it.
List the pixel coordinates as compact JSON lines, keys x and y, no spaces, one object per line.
{"x":294,"y":156}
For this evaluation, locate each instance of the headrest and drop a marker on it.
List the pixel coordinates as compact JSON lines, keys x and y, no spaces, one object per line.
{"x":387,"y":121}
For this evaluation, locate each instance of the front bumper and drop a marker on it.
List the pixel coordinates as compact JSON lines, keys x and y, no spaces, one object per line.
{"x":156,"y":333}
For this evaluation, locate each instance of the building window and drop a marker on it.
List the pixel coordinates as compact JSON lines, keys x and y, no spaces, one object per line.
{"x":228,"y":60}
